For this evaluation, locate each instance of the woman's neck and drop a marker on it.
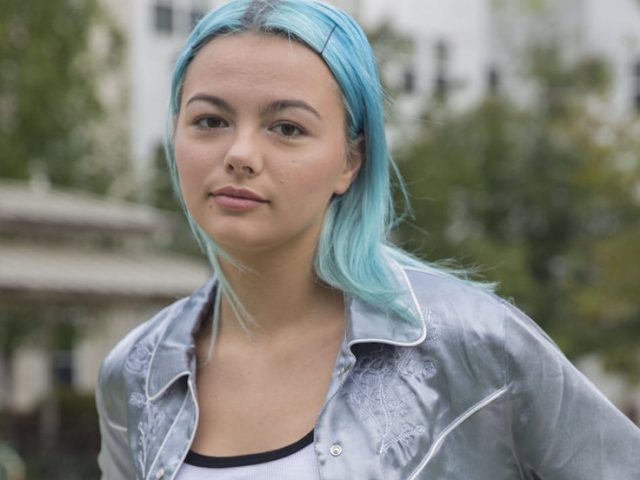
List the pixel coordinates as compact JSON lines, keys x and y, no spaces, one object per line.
{"x":282,"y":295}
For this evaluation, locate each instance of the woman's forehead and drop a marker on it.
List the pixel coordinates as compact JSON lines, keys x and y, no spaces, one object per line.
{"x":260,"y":61}
{"x":258,"y":50}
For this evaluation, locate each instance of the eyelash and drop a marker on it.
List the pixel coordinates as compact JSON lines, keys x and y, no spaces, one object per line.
{"x":200,"y":122}
{"x":203,"y":124}
{"x":299,"y":131}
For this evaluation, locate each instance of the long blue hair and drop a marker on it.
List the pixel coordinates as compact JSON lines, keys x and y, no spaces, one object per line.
{"x":353,"y":252}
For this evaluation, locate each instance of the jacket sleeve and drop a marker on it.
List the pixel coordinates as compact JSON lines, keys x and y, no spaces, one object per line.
{"x":563,"y":427}
{"x":115,"y":459}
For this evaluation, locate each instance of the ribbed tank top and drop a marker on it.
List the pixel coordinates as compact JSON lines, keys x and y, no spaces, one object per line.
{"x":293,"y":462}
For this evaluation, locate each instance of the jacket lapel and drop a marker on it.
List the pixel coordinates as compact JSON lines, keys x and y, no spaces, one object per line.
{"x":174,"y":355}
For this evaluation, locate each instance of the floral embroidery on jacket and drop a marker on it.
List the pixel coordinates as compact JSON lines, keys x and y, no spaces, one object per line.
{"x":379,"y":389}
{"x":151,"y":416}
{"x":139,"y":358}
{"x":434,"y":329}
{"x":148,"y":426}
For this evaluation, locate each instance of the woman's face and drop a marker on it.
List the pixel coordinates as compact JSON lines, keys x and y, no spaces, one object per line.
{"x":260,"y":143}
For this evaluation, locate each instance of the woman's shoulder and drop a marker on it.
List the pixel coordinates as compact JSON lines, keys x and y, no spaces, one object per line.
{"x":453,"y":300}
{"x":466,"y":320}
{"x":469,"y":316}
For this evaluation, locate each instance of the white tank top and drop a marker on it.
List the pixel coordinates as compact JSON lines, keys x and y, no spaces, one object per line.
{"x":293,"y":462}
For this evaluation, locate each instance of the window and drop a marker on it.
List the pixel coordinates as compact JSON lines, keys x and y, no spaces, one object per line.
{"x":409,"y":80}
{"x":441,"y":87}
{"x":441,"y":52}
{"x":636,"y":87}
{"x":441,"y":80}
{"x":63,"y":367}
{"x":163,"y":18}
{"x":493,"y":80}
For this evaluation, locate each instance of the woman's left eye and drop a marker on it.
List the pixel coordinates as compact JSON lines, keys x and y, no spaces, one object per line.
{"x":288,"y":130}
{"x":209,"y":122}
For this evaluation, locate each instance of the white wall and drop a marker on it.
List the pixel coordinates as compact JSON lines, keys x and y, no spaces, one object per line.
{"x":461,"y":24}
{"x":471,"y":28}
{"x":150,"y":56}
{"x":31,"y":379}
{"x":610,"y":29}
{"x":613,"y":29}
{"x":149,"y":62}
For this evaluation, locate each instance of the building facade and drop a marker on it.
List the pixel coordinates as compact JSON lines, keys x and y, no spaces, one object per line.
{"x":460,"y":51}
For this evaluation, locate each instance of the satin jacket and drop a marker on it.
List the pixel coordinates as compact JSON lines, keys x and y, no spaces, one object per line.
{"x":473,"y":390}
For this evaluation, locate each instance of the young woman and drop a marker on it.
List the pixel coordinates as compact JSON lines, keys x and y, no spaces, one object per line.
{"x":318,"y":350}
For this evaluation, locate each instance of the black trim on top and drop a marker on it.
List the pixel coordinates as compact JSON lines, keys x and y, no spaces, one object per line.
{"x":205,"y":461}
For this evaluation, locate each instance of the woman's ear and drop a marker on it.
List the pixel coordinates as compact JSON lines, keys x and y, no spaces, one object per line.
{"x":354,"y":158}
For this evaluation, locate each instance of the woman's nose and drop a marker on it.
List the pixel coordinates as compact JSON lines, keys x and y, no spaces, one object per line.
{"x":244,"y":156}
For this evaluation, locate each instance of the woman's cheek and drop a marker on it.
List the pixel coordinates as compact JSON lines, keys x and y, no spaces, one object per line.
{"x":195,"y":164}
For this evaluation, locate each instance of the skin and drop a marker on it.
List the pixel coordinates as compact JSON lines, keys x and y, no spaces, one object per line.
{"x":265,"y":114}
{"x":232,"y":131}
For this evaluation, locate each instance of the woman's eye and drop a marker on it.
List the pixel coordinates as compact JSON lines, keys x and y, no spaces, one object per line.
{"x":288,"y":130}
{"x":210,"y":122}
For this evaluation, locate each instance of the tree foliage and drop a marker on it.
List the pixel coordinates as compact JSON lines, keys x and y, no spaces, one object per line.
{"x":545,"y":199}
{"x":53,"y":56}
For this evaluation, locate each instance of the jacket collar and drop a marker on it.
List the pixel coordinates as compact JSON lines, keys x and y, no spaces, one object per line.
{"x":369,"y":324}
{"x":174,"y":355}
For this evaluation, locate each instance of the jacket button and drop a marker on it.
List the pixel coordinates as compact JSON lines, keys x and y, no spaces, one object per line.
{"x":160,"y":474}
{"x":335,"y":450}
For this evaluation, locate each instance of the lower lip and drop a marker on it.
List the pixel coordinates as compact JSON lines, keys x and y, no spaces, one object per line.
{"x":236,"y":203}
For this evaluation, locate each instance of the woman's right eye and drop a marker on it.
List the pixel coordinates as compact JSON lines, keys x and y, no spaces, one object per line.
{"x":209,"y":122}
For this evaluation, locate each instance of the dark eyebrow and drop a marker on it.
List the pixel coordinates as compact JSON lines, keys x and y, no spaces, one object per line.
{"x":212,"y":99}
{"x":270,"y":108}
{"x":278,"y":105}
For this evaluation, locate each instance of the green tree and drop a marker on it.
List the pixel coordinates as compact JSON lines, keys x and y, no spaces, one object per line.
{"x":53,"y":56}
{"x":544,"y":199}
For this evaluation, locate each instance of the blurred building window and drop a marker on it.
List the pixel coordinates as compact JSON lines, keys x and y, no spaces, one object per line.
{"x":493,"y":80}
{"x":63,"y":367}
{"x":636,"y":88}
{"x":163,"y":17}
{"x":409,"y":80}
{"x":442,"y":55}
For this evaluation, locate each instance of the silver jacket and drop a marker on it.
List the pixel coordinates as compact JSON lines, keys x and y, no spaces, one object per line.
{"x":473,"y":391}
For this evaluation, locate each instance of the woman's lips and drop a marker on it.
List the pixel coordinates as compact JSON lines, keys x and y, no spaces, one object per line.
{"x":233,"y":198}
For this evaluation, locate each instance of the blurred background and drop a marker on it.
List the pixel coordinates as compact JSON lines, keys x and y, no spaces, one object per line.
{"x":516,"y":124}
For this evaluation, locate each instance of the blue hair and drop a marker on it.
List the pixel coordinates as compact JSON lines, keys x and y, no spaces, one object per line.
{"x":353,"y":252}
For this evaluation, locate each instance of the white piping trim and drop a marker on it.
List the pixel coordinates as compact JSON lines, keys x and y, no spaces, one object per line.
{"x":436,"y":445}
{"x":166,"y":437}
{"x":195,"y":428}
{"x":167,"y":321}
{"x":115,"y":426}
{"x":416,"y":304}
{"x":168,"y":384}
